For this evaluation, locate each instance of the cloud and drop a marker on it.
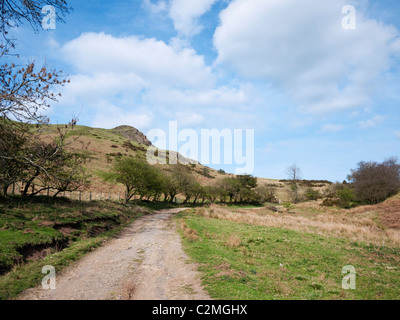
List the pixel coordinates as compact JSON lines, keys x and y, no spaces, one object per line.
{"x":370,"y":123}
{"x":155,"y":8}
{"x":136,"y":74}
{"x":149,"y":59}
{"x":112,"y":116}
{"x":185,"y":15}
{"x":332,"y":128}
{"x":189,"y":119}
{"x":397,"y":134}
{"x":303,"y":50}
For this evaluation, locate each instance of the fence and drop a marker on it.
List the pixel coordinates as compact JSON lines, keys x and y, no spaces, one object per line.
{"x":17,"y":189}
{"x":89,"y":195}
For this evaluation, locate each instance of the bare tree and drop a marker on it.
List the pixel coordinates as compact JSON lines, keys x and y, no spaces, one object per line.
{"x":294,"y":175}
{"x":24,"y":91}
{"x":14,"y":12}
{"x":374,"y":182}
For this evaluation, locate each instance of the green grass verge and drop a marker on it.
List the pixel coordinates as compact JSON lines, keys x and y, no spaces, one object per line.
{"x":241,"y":261}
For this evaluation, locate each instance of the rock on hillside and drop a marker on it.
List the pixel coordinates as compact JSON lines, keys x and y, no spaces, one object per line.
{"x":133,"y":134}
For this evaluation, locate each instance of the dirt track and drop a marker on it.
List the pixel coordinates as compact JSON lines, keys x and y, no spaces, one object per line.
{"x":145,"y":262}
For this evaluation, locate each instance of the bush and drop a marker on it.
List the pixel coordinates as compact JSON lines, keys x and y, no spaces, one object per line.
{"x":346,"y":198}
{"x":330,"y":202}
{"x":312,"y":194}
{"x":374,"y":182}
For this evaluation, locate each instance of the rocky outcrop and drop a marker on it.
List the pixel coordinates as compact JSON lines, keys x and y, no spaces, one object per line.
{"x":132,"y":134}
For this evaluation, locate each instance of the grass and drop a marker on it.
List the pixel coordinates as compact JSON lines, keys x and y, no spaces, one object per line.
{"x":245,"y":261}
{"x":243,"y":206}
{"x":357,"y":225}
{"x":41,"y":231}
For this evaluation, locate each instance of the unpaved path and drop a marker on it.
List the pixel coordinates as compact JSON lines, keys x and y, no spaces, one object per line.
{"x":146,"y":262}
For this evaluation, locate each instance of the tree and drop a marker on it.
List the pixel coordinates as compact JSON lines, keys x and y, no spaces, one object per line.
{"x":374,"y":182}
{"x":181,"y":181}
{"x":27,"y":157}
{"x":294,"y":175}
{"x":14,"y":12}
{"x":24,"y":91}
{"x":247,"y":181}
{"x":346,"y":197}
{"x":231,"y":187}
{"x":12,"y":142}
{"x":265,"y":193}
{"x":131,"y":172}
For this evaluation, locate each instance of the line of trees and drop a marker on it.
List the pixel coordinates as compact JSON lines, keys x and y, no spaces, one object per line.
{"x":152,"y":183}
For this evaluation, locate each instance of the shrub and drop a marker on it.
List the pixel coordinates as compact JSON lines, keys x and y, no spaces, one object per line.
{"x":330,"y":202}
{"x":346,"y":197}
{"x":312,"y":194}
{"x":374,"y":182}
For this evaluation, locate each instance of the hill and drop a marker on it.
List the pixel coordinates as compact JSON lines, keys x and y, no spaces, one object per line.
{"x":102,"y":146}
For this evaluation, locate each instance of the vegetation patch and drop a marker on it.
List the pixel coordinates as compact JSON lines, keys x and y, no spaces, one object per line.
{"x":276,"y":263}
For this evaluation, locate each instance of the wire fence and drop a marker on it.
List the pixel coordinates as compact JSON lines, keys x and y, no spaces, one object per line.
{"x":89,"y":195}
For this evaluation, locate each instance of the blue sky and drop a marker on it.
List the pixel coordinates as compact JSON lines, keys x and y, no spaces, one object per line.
{"x":315,"y":94}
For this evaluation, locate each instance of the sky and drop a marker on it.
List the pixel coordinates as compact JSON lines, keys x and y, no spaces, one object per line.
{"x":318,"y":85}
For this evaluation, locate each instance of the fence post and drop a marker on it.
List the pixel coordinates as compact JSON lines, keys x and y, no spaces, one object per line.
{"x":13,"y":190}
{"x":90,"y":196}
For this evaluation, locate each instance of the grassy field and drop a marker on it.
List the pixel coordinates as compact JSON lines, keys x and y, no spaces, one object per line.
{"x":41,"y":231}
{"x":241,"y":257}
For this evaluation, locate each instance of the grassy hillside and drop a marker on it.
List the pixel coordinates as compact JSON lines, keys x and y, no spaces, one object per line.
{"x":255,"y":253}
{"x":103,"y":145}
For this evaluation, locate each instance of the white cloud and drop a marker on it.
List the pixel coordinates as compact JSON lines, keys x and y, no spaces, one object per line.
{"x":111,"y":116}
{"x":397,"y":134}
{"x":135,"y":74}
{"x":332,"y":128}
{"x":186,"y":13}
{"x":149,"y":59}
{"x":89,"y":88}
{"x":155,"y":8}
{"x":189,"y":119}
{"x":370,"y":123}
{"x":303,"y":50}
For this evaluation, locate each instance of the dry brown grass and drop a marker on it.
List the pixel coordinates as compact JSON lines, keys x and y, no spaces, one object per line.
{"x":233,"y":241}
{"x":189,"y":234}
{"x":365,"y":225}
